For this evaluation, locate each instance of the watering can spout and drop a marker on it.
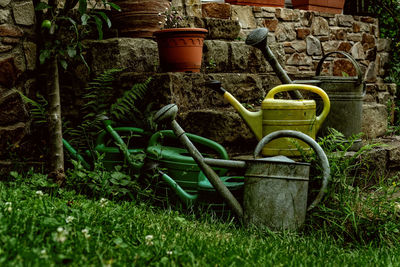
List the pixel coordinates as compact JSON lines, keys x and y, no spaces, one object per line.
{"x":252,"y":119}
{"x":185,"y":197}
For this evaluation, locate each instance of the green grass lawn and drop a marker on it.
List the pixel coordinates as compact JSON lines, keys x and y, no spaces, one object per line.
{"x":41,"y":225}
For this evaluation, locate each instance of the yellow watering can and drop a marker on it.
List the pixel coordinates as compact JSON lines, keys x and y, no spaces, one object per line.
{"x":282,"y":114}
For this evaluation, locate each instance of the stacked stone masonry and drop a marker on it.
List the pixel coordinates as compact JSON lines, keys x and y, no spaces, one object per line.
{"x":17,"y":65}
{"x":298,"y":38}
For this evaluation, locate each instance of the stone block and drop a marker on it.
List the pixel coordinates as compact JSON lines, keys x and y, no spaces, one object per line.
{"x":345,"y":46}
{"x":330,"y":46}
{"x":313,"y":46}
{"x":368,"y":41}
{"x":216,"y":56}
{"x":343,"y":67}
{"x":270,"y":24}
{"x":9,"y":30}
{"x":383,"y":45}
{"x":355,"y":37}
{"x":345,"y":20}
{"x":371,"y":73}
{"x":8,"y":72}
{"x":244,"y":14}
{"x":285,"y":32}
{"x":216,"y":10}
{"x":4,"y":3}
{"x":11,"y":135}
{"x":264,"y":12}
{"x":286,"y":14}
{"x":10,"y":40}
{"x":320,"y":27}
{"x":5,"y":48}
{"x":299,"y":59}
{"x":24,"y":13}
{"x":247,"y":59}
{"x":222,"y":28}
{"x":302,"y":33}
{"x":374,"y":122}
{"x":132,"y":54}
{"x":5,"y":15}
{"x":12,"y":108}
{"x":30,"y":55}
{"x":357,"y":51}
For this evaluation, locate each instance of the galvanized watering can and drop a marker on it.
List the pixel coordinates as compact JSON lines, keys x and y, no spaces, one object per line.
{"x":275,"y":190}
{"x":281,"y":114}
{"x":346,"y":96}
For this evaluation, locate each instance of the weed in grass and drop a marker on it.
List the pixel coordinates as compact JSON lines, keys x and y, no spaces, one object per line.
{"x":354,"y":211}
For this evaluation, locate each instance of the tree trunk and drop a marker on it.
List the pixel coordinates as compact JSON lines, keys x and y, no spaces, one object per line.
{"x":55,"y":124}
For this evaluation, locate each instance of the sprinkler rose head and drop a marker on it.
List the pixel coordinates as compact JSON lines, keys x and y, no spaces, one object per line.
{"x":167,"y":112}
{"x":257,"y":36}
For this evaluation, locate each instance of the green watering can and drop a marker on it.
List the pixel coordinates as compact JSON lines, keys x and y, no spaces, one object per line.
{"x":164,"y":149}
{"x":282,"y":114}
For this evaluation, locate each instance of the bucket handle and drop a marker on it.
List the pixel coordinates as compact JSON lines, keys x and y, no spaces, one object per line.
{"x":313,"y":144}
{"x":290,"y":87}
{"x":348,"y":56}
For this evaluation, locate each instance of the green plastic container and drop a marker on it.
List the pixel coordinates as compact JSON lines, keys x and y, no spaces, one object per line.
{"x":105,"y":144}
{"x":178,"y":163}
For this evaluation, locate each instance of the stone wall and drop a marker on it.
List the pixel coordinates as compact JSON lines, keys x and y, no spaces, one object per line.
{"x":299,"y":39}
{"x":303,"y":37}
{"x":17,"y":65}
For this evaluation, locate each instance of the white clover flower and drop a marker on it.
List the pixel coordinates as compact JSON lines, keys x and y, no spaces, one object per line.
{"x":169,"y":252}
{"x":103,"y":202}
{"x":61,"y":235}
{"x":85,"y":233}
{"x":39,"y":193}
{"x":8,"y":203}
{"x":149,"y":240}
{"x":69,"y":219}
{"x":9,"y":209}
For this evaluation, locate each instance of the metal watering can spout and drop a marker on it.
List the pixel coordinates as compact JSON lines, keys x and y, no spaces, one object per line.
{"x":252,"y":119}
{"x":258,"y":38}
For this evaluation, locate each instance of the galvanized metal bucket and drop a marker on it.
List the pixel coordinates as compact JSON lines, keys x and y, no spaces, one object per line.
{"x":275,"y":189}
{"x":275,"y":193}
{"x":346,"y":96}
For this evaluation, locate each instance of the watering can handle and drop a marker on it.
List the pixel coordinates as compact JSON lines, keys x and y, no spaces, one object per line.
{"x":290,"y":87}
{"x":349,"y":57}
{"x":194,"y":138}
{"x":313,"y":144}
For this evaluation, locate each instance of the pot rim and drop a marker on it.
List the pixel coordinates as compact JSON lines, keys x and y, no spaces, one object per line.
{"x":180,"y":30}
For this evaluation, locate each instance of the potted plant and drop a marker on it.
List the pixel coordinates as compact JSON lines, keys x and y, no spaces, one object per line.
{"x":328,"y":6}
{"x":138,"y":18}
{"x":180,"y":49}
{"x":272,"y":3}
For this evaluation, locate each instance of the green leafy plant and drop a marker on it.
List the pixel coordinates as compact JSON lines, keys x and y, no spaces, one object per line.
{"x":58,"y":21}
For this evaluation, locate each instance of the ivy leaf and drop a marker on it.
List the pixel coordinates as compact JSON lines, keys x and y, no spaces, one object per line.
{"x":64,"y":64}
{"x":84,"y":19}
{"x":42,"y":6}
{"x":44,"y":54}
{"x":71,"y":52}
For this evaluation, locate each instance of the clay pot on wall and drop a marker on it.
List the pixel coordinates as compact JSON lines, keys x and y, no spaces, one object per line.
{"x":138,"y":18}
{"x":180,"y":49}
{"x":328,"y":6}
{"x":272,"y":3}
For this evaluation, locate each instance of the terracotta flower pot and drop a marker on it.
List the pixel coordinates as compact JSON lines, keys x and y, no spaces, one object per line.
{"x":138,"y":18}
{"x":273,"y":3}
{"x":328,"y":6}
{"x":180,"y":49}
